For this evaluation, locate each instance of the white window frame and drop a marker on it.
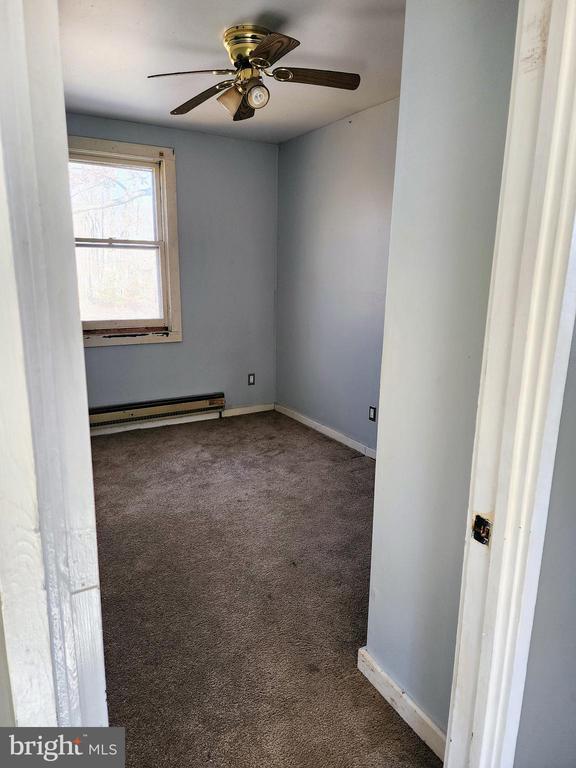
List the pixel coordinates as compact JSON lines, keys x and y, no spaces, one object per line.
{"x":162,"y":161}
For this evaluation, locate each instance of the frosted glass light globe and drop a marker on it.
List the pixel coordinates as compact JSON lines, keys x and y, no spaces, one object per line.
{"x":258,"y":96}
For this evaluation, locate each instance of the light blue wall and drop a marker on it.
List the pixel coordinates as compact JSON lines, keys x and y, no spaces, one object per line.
{"x":547,"y":735}
{"x":456,"y":75}
{"x":335,"y":199}
{"x":227,"y":214}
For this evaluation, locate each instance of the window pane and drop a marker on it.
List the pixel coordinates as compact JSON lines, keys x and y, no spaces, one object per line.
{"x":112,"y":201}
{"x":119,"y":283}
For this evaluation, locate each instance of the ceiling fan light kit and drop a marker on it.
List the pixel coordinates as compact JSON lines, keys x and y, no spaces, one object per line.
{"x":253,"y":50}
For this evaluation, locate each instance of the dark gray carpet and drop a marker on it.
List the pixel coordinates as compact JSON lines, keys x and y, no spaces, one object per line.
{"x":234,"y":560}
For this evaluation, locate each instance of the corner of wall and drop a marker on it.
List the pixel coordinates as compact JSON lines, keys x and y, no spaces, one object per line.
{"x":275,"y":310}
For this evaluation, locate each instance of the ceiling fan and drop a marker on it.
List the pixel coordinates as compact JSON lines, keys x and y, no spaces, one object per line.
{"x":253,"y":50}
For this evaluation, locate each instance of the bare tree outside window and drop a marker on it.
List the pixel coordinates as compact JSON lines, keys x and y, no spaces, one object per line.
{"x":116,"y":202}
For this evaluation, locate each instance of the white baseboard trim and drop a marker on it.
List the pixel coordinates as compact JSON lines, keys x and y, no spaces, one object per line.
{"x":130,"y":425}
{"x":408,"y":710}
{"x":247,"y":409}
{"x":328,"y":431}
{"x":240,"y":411}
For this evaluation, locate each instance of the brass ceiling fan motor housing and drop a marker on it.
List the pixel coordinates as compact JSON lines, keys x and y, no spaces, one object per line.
{"x":241,"y":40}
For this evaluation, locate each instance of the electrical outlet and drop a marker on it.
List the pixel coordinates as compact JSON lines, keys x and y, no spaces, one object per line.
{"x":251,"y":379}
{"x":372,"y":413}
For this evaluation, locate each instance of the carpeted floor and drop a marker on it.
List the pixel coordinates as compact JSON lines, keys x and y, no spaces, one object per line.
{"x":234,"y":560}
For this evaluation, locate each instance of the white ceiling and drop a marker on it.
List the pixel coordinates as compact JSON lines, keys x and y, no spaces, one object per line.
{"x":110,"y":46}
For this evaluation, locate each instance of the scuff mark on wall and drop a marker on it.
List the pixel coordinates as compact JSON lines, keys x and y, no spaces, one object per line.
{"x":537,"y":30}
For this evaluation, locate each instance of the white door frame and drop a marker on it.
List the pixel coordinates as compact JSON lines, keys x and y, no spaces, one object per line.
{"x":51,"y":654}
{"x":531,"y":315}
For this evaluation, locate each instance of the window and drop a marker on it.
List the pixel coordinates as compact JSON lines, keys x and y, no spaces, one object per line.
{"x":124,"y":212}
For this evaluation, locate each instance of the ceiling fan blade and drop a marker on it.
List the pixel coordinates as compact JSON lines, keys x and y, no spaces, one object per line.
{"x":273,"y":47}
{"x":328,"y":78}
{"x":197,"y":100}
{"x":244,"y":111}
{"x":231,"y":100}
{"x":197,"y":72}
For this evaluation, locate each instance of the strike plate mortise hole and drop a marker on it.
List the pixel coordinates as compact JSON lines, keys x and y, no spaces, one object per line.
{"x":481,"y":529}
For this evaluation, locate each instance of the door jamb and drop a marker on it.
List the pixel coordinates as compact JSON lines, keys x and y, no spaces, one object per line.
{"x":49,"y":585}
{"x":531,"y":314}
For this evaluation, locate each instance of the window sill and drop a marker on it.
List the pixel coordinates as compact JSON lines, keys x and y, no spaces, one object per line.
{"x":119,"y":336}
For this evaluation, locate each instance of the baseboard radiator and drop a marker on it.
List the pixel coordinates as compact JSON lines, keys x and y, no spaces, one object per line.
{"x":174,"y":407}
